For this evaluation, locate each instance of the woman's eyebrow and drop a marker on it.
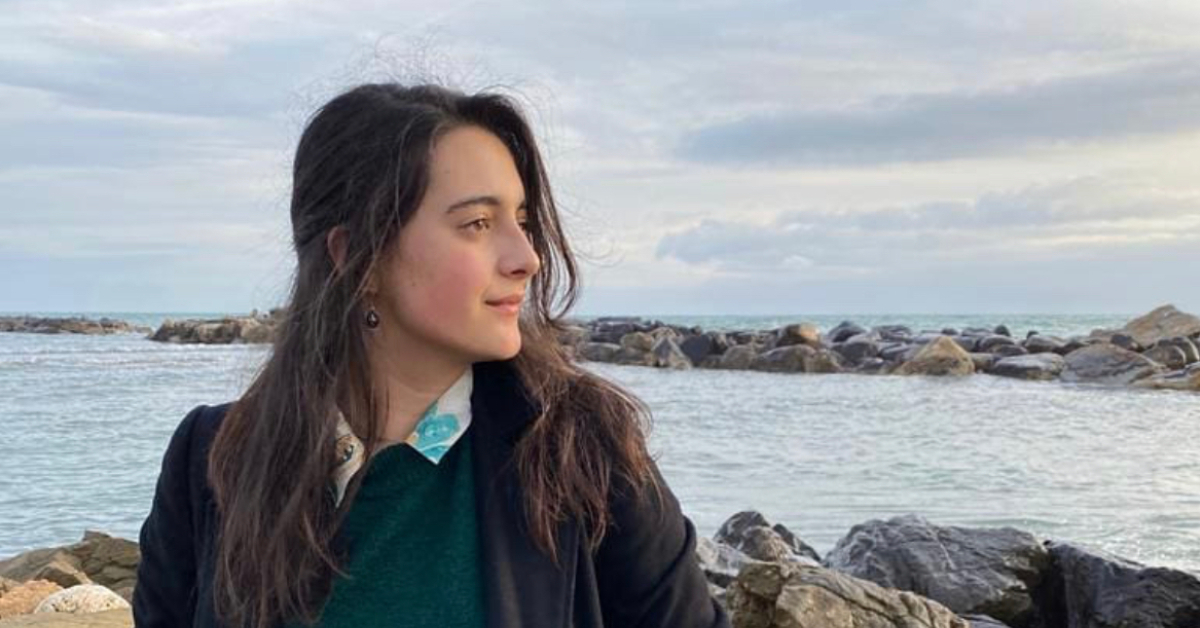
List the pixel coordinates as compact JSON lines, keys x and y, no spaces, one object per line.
{"x":487,"y":199}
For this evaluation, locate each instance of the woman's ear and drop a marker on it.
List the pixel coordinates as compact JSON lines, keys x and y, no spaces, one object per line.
{"x":335,"y":243}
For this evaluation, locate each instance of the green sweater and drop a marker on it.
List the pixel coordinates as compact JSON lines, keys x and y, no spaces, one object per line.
{"x":414,"y":545}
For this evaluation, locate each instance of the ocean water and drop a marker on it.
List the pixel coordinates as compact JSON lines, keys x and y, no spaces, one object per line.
{"x":84,"y":421}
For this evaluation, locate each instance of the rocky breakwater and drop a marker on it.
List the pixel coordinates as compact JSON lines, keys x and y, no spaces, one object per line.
{"x":907,"y":572}
{"x":256,"y":328}
{"x":71,"y":325}
{"x":1158,"y":350}
{"x":89,"y":583}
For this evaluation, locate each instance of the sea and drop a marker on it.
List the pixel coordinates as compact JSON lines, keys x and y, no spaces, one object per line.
{"x":84,"y":422}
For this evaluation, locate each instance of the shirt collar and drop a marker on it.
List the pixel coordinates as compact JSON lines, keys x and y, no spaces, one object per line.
{"x":444,"y":422}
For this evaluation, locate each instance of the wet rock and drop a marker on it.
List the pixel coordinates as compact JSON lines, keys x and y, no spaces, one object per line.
{"x":1038,"y":366}
{"x":987,"y":344}
{"x":1090,"y":589}
{"x":1002,"y":330}
{"x":699,"y":346}
{"x":637,"y":340}
{"x":1125,"y":341}
{"x":940,"y":357}
{"x":1191,"y":352}
{"x":893,"y":333}
{"x":983,"y":361}
{"x":990,"y":571}
{"x":794,"y":595}
{"x":70,"y":325}
{"x":1107,"y":364}
{"x":795,"y":359}
{"x":858,"y":348}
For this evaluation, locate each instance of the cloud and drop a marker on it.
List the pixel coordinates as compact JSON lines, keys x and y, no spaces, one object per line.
{"x":1087,"y":218}
{"x":1137,"y":100}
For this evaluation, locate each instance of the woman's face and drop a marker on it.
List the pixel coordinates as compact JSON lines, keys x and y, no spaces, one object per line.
{"x":466,"y":245}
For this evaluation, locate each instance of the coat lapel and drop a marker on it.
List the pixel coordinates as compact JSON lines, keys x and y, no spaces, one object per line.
{"x":522,"y":586}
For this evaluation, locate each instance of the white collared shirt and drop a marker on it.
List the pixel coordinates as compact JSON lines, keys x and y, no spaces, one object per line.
{"x":444,"y":422}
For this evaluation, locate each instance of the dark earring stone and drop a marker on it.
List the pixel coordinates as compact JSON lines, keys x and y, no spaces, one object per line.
{"x":372,"y":318}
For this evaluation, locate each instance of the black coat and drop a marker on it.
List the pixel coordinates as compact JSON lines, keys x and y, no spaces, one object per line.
{"x":643,"y":575}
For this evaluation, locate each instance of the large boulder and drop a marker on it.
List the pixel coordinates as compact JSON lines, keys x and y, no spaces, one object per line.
{"x":799,"y":334}
{"x":942,"y":356}
{"x":1105,"y":363}
{"x":1168,"y":355}
{"x":795,"y":595}
{"x":1162,"y":323}
{"x":1040,"y":366}
{"x":599,"y":351}
{"x":738,"y":357}
{"x":667,"y":354}
{"x":720,"y":562}
{"x":1090,"y":589}
{"x":1186,"y":379}
{"x":989,"y":571}
{"x":1043,"y":344}
{"x":791,"y":359}
{"x":23,"y":598}
{"x":843,"y":332}
{"x":96,"y":559}
{"x":751,"y":533}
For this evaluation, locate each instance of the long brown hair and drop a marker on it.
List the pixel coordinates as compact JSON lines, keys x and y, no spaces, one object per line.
{"x":362,"y":163}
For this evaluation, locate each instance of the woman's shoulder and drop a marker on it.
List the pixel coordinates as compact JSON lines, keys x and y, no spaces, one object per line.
{"x":186,"y":458}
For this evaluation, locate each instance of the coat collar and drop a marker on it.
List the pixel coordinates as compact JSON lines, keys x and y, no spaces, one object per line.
{"x":522,"y":587}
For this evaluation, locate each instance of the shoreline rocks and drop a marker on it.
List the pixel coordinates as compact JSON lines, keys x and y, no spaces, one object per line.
{"x":902,"y":572}
{"x":1156,"y":351}
{"x":70,"y":325}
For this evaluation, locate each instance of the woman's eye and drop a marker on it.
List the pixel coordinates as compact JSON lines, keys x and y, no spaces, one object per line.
{"x":477,"y":222}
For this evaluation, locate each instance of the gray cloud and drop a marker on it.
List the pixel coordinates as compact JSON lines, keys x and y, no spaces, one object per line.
{"x":1142,"y":99}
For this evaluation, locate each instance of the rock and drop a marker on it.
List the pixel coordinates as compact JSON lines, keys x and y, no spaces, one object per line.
{"x":720,"y":562}
{"x":1090,"y":589}
{"x":750,"y":532}
{"x":668,"y":354}
{"x":52,"y":564}
{"x":23,"y":598}
{"x":1043,"y":344}
{"x":898,"y":352}
{"x":634,"y":356}
{"x":784,"y":359}
{"x":949,"y":331}
{"x":698,"y":347}
{"x":637,"y":340}
{"x":1162,"y":323}
{"x":120,"y":618}
{"x":1039,"y":366}
{"x":940,"y":357}
{"x":844,"y":331}
{"x":599,"y":351}
{"x":227,"y":330}
{"x":970,"y":344}
{"x":1190,"y":351}
{"x":983,"y":361}
{"x":794,"y":595}
{"x":1167,"y":355}
{"x":1185,"y":379}
{"x":1125,"y":341}
{"x":983,"y":621}
{"x":858,"y":348}
{"x":799,"y":334}
{"x":1008,"y":351}
{"x":871,"y":366}
{"x":988,"y":343}
{"x":98,"y":558}
{"x":1107,"y":364}
{"x":1002,"y":330}
{"x":893,"y":333}
{"x":71,"y":325}
{"x":80,"y":599}
{"x":738,"y":357}
{"x":990,"y":571}
{"x":6,"y":585}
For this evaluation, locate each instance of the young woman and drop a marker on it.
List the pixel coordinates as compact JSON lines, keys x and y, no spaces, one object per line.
{"x":419,"y":449}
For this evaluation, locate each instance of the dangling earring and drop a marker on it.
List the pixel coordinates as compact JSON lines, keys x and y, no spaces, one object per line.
{"x":372,"y":318}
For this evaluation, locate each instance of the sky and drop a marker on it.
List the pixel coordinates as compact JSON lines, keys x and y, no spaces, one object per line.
{"x":708,"y":157}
